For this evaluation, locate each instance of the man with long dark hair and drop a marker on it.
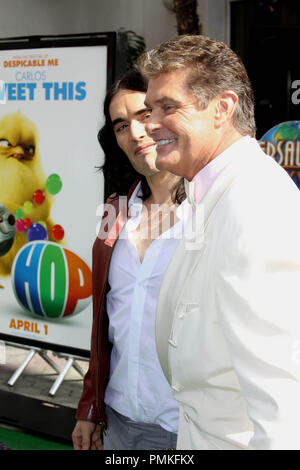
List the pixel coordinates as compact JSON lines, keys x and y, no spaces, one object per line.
{"x":125,"y":393}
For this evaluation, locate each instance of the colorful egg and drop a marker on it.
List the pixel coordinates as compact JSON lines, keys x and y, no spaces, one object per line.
{"x":19,"y":214}
{"x":43,"y":223}
{"x":36,"y":232}
{"x":28,"y":222}
{"x":20,"y":225}
{"x":50,"y":280}
{"x":54,"y":183}
{"x":27,"y":207}
{"x":58,"y":232}
{"x":38,"y":197}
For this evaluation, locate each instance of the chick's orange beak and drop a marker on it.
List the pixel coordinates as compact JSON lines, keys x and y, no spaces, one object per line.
{"x":17,"y":152}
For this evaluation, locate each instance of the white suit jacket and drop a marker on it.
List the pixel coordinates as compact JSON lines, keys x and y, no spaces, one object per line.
{"x":228,"y":315}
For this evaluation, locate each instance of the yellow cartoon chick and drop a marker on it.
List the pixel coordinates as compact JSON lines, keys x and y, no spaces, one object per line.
{"x":21,"y":174}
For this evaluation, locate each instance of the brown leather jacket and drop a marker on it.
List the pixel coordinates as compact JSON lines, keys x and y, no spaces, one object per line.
{"x":91,"y":405}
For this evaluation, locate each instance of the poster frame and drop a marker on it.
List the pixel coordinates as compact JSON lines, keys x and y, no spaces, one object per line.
{"x":116,"y":43}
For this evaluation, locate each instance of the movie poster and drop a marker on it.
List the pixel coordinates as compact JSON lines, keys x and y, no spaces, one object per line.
{"x":50,"y":112}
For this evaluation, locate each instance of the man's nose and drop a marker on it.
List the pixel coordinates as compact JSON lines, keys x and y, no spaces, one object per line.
{"x":137,"y":130}
{"x":152,"y":124}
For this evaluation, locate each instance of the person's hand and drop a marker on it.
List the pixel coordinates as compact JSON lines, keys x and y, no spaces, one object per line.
{"x":87,"y":436}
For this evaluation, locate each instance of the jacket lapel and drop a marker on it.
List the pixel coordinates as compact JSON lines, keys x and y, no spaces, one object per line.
{"x":187,"y":256}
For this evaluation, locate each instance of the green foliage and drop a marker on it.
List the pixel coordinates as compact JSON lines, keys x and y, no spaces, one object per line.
{"x":136,"y":46}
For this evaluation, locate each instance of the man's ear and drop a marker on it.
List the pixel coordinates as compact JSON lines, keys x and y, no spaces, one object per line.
{"x":225,"y":106}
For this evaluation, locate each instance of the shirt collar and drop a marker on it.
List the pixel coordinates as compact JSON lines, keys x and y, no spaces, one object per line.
{"x":135,"y":198}
{"x":197,"y":188}
{"x":135,"y":205}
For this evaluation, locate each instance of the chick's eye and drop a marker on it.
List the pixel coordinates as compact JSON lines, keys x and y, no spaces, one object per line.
{"x":4,"y":143}
{"x":29,"y":149}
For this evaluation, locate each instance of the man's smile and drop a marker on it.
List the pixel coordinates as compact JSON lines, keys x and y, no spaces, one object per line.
{"x":142,"y":148}
{"x":162,"y":142}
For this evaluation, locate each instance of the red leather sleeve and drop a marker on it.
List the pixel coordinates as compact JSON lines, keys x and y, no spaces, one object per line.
{"x":87,"y":408}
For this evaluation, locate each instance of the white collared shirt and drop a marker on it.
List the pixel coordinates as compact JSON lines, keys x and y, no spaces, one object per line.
{"x":137,"y":387}
{"x":200,"y":184}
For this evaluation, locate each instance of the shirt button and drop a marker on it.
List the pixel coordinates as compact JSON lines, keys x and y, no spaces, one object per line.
{"x":175,"y":388}
{"x":172,"y":343}
{"x":186,"y":417}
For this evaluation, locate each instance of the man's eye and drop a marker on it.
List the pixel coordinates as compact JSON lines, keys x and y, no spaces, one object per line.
{"x":4,"y":143}
{"x":121,"y":128}
{"x":168,"y":107}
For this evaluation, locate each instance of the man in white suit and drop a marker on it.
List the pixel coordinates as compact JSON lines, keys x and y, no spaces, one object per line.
{"x":228,"y":316}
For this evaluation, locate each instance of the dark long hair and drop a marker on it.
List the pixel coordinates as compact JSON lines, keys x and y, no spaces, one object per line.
{"x":118,"y":172}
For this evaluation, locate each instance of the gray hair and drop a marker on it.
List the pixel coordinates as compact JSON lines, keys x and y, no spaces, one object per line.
{"x":213,"y":69}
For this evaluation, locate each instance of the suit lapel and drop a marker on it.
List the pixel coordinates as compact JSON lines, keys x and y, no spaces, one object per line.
{"x":187,"y":256}
{"x":170,"y":294}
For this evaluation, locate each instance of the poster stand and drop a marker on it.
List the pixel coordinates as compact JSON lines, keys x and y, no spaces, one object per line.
{"x":32,"y":352}
{"x":70,"y":362}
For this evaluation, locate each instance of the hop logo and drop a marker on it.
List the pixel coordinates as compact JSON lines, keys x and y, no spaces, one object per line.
{"x":50,"y":280}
